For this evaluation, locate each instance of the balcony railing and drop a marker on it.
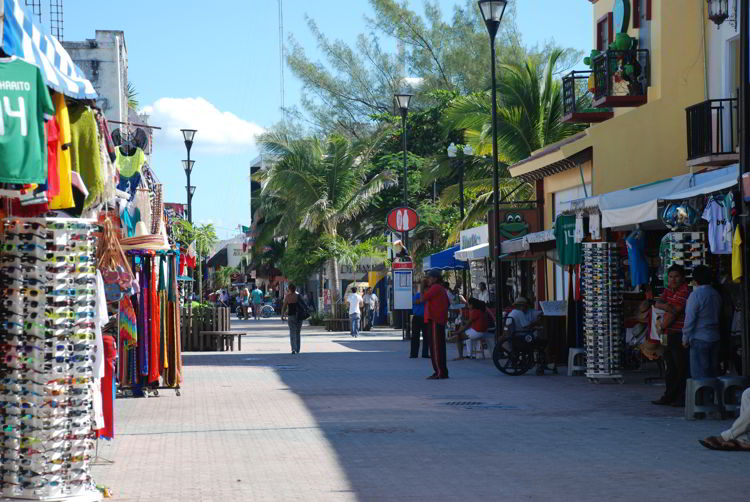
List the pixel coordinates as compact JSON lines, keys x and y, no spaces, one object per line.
{"x":712,"y":132}
{"x":578,"y":99}
{"x":622,"y":78}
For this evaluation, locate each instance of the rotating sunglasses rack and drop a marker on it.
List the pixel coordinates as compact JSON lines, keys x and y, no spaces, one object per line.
{"x":687,"y":249}
{"x":603,"y":324}
{"x":48,"y":281}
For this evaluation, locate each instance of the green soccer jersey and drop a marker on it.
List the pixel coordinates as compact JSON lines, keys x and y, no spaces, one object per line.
{"x":567,"y":250}
{"x":25,"y":104}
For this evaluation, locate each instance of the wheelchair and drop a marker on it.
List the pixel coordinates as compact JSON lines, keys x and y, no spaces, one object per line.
{"x":518,"y":350}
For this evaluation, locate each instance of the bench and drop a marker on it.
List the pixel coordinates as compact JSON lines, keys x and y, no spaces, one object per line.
{"x":338,"y":324}
{"x":226,"y":337}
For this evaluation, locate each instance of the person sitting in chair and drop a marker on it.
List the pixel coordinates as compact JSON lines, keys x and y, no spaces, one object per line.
{"x":474,"y":328}
{"x":737,"y":437}
{"x":523,"y":318}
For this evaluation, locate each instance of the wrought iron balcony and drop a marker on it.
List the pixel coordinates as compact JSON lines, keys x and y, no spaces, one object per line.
{"x":622,"y":78}
{"x":578,"y":99}
{"x":712,"y":132}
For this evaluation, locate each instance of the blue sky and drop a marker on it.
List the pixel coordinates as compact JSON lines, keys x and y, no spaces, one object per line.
{"x":218,"y":71}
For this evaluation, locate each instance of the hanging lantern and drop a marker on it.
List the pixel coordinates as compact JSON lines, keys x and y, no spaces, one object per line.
{"x":718,"y":11}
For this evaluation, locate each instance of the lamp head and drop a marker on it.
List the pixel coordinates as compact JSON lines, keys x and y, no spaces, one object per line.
{"x":492,"y":13}
{"x":188,"y":135}
{"x":452,"y":150}
{"x":468,"y":150}
{"x":187,"y":165}
{"x":718,"y":11}
{"x":403,"y":100}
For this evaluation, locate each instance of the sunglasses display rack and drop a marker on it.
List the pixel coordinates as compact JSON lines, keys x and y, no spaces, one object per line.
{"x":687,"y":249}
{"x":48,"y":280}
{"x":603,"y":324}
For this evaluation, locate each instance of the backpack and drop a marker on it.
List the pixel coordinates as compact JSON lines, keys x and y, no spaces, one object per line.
{"x":303,"y":311}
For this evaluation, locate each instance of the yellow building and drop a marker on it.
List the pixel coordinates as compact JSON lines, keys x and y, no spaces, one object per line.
{"x":638,"y":131}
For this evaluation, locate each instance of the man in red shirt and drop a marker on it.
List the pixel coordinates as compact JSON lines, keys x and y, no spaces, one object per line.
{"x":474,"y":328}
{"x":435,"y":315}
{"x":673,"y":301}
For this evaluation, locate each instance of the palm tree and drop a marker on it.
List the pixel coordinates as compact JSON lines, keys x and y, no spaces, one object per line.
{"x":529,"y":117}
{"x":319,"y":185}
{"x":224,"y":276}
{"x":205,"y":238}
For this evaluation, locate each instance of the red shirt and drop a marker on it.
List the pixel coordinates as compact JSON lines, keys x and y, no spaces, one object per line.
{"x":677,"y":299}
{"x":478,"y":320}
{"x":436,"y":304}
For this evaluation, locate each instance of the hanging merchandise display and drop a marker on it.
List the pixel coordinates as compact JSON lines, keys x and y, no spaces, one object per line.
{"x":51,"y":349}
{"x":603,"y":323}
{"x":568,"y":250}
{"x":687,"y":249}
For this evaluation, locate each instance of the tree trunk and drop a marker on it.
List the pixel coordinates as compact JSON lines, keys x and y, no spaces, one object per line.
{"x":335,"y":281}
{"x":200,"y":279}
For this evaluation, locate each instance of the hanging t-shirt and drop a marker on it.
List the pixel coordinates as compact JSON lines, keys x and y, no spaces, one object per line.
{"x":595,"y":227}
{"x":737,"y":255}
{"x":24,"y":106}
{"x":53,"y":174}
{"x":567,"y":250}
{"x":64,"y":199}
{"x":579,"y":229}
{"x":129,"y":221}
{"x":129,"y":165}
{"x":719,"y":228}
{"x":636,"y":243}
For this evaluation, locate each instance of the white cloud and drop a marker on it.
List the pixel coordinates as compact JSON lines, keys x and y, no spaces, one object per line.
{"x":218,"y":131}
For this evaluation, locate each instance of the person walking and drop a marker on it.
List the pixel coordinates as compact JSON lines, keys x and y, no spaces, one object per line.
{"x":257,"y":295}
{"x":291,"y":302}
{"x":372,"y":303}
{"x":355,"y":302}
{"x":418,"y":325}
{"x":700,"y":334}
{"x":436,"y":314}
{"x":244,"y":304}
{"x":672,"y":301}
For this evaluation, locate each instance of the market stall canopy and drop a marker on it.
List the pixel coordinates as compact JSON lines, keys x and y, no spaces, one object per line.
{"x":444,"y":260}
{"x":708,"y":182}
{"x":477,"y":252}
{"x":23,"y":38}
{"x":536,"y":241}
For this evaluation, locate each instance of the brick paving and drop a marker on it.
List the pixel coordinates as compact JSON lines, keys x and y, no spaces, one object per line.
{"x":356,"y":420}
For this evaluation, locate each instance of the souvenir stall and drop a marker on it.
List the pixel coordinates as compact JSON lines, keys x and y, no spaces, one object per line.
{"x":66,"y":282}
{"x":475,"y":250}
{"x":630,"y":239}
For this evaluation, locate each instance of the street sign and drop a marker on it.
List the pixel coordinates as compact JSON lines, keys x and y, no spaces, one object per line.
{"x":402,"y":289}
{"x":402,"y":219}
{"x":402,"y":265}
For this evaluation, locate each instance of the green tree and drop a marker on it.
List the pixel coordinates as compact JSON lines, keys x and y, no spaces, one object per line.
{"x":205,"y":238}
{"x":529,"y":117}
{"x":224,"y":276}
{"x":319,"y":185}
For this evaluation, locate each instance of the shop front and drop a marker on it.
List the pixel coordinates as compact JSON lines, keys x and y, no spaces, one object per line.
{"x":475,"y":250}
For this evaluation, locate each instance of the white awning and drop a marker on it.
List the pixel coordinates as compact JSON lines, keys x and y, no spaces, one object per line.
{"x":708,"y":182}
{"x":516,"y":245}
{"x":477,"y":252}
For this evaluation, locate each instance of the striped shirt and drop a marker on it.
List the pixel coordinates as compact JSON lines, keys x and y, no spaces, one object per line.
{"x":677,"y":299}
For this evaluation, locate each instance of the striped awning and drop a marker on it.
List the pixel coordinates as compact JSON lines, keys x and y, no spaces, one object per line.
{"x":23,"y":38}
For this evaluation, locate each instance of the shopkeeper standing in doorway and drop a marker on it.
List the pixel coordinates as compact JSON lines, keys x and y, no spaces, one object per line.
{"x":672,"y":301}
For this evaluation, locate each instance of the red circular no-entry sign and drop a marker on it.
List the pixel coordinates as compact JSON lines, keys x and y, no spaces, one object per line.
{"x":402,"y":219}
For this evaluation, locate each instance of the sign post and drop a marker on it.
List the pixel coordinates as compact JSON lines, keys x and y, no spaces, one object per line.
{"x":403,"y":278}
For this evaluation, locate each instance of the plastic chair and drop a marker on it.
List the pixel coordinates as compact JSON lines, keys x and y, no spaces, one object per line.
{"x":478,"y":346}
{"x":731,"y":394}
{"x":702,"y":395}
{"x":576,"y":362}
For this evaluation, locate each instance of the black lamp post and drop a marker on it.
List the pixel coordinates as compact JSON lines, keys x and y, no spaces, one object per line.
{"x":453,"y":153}
{"x":187,"y":165}
{"x":744,"y":170}
{"x":402,"y":100}
{"x":492,"y":13}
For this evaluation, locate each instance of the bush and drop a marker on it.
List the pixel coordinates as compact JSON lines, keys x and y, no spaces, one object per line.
{"x":316,"y":319}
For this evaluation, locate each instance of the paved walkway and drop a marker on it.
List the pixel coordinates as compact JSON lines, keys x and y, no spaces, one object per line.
{"x":356,"y":420}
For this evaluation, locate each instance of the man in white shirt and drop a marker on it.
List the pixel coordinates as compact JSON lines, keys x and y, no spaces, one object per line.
{"x":522,"y":318}
{"x":355,"y":304}
{"x":483,"y":294}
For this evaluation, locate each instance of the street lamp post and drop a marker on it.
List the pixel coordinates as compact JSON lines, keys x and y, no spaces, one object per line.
{"x":187,"y":165}
{"x":453,"y":153}
{"x":492,"y":13}
{"x":402,"y":100}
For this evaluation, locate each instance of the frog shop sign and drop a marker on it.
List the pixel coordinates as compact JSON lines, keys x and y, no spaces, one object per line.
{"x":514,"y":223}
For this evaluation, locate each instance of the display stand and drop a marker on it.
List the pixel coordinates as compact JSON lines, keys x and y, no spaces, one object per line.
{"x":687,"y":249}
{"x":603,"y":326}
{"x":47,"y":273}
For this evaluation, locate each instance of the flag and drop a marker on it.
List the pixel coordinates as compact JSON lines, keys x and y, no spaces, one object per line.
{"x":245,"y":230}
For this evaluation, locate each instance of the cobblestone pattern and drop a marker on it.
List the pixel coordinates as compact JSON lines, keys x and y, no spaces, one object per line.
{"x":356,"y":420}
